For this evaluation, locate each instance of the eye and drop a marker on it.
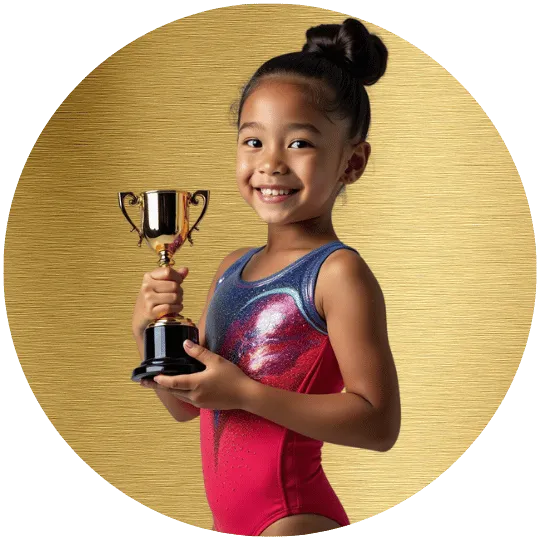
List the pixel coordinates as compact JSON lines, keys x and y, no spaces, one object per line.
{"x":300,"y":141}
{"x":245,"y":142}
{"x":297,"y":141}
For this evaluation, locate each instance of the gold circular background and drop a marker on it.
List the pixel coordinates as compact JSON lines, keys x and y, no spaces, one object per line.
{"x":440,"y":216}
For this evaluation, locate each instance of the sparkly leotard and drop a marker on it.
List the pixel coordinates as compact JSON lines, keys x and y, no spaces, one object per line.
{"x":256,"y":471}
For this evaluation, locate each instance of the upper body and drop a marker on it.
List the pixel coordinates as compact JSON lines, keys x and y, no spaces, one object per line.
{"x":290,"y":138}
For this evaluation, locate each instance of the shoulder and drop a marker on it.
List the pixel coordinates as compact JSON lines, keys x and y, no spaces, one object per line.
{"x":348,"y":264}
{"x":230,"y":259}
{"x":345,"y":273}
{"x":233,"y":256}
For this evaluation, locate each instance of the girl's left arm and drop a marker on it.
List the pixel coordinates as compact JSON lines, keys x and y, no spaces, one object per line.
{"x":368,"y":414}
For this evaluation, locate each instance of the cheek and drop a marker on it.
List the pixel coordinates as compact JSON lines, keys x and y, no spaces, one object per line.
{"x":319,"y":190}
{"x":312,"y":166}
{"x":242,"y":167}
{"x":243,"y":178}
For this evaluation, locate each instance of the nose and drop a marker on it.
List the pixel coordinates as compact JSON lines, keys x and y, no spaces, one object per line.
{"x":272,"y":163}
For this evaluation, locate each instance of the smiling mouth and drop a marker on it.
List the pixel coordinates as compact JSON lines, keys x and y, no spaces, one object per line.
{"x":275,"y":199}
{"x":291,"y":191}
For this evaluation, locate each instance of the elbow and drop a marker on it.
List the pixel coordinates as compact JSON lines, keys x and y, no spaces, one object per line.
{"x":387,"y":443}
{"x":389,"y":434}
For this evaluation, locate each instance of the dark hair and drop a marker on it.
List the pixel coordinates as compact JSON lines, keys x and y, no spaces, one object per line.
{"x":342,"y":57}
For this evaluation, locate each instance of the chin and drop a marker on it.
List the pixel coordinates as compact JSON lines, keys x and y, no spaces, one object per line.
{"x":272,"y":219}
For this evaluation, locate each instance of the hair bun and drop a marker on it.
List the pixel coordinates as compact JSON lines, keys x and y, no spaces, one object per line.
{"x":351,"y":46}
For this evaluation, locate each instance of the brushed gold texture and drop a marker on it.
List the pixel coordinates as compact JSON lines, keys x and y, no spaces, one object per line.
{"x":440,"y":215}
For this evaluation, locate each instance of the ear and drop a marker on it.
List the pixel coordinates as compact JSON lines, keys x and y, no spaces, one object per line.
{"x":357,"y":162}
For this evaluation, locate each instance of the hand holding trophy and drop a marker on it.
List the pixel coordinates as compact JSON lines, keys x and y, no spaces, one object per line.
{"x":165,"y":228}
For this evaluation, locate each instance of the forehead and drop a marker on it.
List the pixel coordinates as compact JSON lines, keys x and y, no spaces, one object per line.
{"x":279,"y":98}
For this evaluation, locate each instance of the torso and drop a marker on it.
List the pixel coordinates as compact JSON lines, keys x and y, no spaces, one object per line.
{"x":270,"y":331}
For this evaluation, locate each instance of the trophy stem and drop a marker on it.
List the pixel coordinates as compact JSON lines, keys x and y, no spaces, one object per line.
{"x":165,"y":258}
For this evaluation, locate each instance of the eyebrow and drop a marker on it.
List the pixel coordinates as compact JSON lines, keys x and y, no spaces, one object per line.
{"x":290,"y":127}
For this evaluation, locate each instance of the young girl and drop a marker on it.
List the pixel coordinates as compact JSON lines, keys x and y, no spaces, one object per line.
{"x":288,"y":325}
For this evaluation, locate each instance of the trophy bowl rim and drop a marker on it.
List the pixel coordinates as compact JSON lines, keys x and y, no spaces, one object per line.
{"x":166,"y":191}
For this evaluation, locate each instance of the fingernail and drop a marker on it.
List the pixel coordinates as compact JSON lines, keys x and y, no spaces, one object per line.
{"x":188,"y":343}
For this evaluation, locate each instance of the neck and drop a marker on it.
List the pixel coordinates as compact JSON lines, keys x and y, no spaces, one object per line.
{"x":300,"y":235}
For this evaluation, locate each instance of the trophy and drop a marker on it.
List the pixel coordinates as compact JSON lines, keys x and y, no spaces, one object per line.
{"x":165,"y":227}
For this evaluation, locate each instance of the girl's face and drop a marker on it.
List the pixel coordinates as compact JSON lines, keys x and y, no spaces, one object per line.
{"x":274,"y":149}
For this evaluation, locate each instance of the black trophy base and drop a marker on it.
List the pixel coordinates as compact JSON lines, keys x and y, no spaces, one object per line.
{"x":164,"y":352}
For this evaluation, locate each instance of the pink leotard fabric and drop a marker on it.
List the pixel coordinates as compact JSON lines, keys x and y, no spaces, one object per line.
{"x":256,"y":471}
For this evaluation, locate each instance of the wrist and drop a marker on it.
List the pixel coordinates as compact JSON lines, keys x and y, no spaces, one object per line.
{"x":249,"y":394}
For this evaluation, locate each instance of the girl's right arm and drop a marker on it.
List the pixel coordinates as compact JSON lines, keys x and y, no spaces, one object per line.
{"x":179,"y":410}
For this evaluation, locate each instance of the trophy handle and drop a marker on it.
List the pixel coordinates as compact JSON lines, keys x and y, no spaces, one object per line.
{"x":205,"y":194}
{"x":133,"y":201}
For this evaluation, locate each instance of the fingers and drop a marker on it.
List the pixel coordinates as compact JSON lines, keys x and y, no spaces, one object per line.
{"x":161,"y":296}
{"x":148,"y":383}
{"x":160,"y":293}
{"x":169,"y":273}
{"x":177,"y":382}
{"x":180,"y":394}
{"x":165,"y":286}
{"x":166,"y":291}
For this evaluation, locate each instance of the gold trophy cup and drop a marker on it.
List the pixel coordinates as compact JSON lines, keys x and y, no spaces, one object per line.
{"x":165,"y":228}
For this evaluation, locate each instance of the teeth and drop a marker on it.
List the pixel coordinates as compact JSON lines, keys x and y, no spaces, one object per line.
{"x":275,"y":191}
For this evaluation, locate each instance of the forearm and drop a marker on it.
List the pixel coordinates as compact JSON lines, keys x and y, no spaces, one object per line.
{"x":178,"y":409}
{"x":341,"y":418}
